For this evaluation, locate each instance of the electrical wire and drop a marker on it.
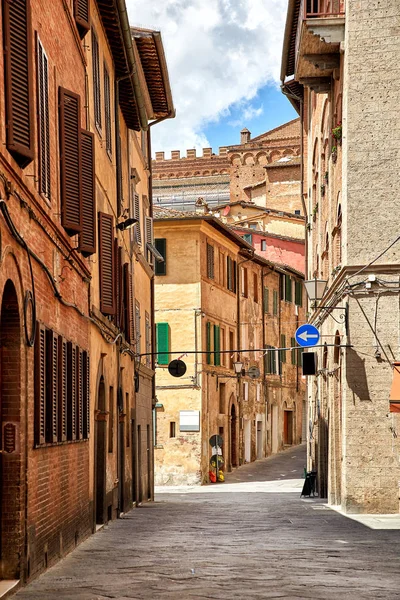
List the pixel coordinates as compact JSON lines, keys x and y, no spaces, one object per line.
{"x":375,"y":259}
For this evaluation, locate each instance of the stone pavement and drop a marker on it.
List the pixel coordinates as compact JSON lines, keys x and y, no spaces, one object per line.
{"x":250,"y":537}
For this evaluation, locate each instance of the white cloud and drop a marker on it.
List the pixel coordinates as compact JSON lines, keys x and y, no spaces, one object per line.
{"x":219,"y":53}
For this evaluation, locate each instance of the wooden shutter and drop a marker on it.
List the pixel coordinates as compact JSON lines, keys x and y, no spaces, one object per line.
{"x":138,"y":335}
{"x":17,"y":32}
{"x":160,"y":268}
{"x":79,"y":394}
{"x":298,"y":292}
{"x":288,"y":288}
{"x":282,"y":353}
{"x":210,"y":261}
{"x":62,"y":389}
{"x":71,"y":391}
{"x":40,"y":385}
{"x":86,"y":395}
{"x":229,"y":273}
{"x":217,"y":346}
{"x":266,"y":300}
{"x":96,"y":80}
{"x":275,"y":303}
{"x":208,"y":342}
{"x":82,"y":16}
{"x":136,"y":214}
{"x":163,"y":347}
{"x":128,"y":304}
{"x":149,"y":237}
{"x":234,"y":275}
{"x":71,"y":160}
{"x":106,"y":264}
{"x":43,"y":125}
{"x":107,"y":109}
{"x":51,"y":387}
{"x":87,"y":239}
{"x":117,"y":283}
{"x":293,"y":351}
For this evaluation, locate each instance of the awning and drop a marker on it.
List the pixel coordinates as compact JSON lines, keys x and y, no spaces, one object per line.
{"x":395,"y":391}
{"x":159,"y":257}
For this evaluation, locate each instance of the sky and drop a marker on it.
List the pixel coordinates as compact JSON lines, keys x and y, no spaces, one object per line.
{"x":224,"y":62}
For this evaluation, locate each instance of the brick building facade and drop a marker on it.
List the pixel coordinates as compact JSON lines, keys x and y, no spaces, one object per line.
{"x":73,"y":134}
{"x":340,"y":74}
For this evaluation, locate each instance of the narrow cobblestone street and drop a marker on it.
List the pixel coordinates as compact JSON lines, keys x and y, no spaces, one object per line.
{"x":251,"y":537}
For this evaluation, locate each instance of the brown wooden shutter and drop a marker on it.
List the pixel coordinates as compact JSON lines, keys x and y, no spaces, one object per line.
{"x":71,"y":160}
{"x":51,"y":386}
{"x":86,"y":395}
{"x":71,"y":391}
{"x":106,"y":264}
{"x":62,"y":389}
{"x":128,"y":305}
{"x":87,"y":239}
{"x":96,"y":80}
{"x":136,"y":215}
{"x":79,"y":394}
{"x":17,"y":32}
{"x":40,"y":385}
{"x":82,"y":16}
{"x":107,"y":110}
{"x":44,"y":124}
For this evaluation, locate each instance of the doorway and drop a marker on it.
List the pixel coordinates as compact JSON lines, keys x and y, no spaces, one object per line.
{"x":100,"y":461}
{"x":233,"y":448}
{"x":259,"y":440}
{"x":288,"y":427}
{"x":139,"y":454}
{"x":274,"y":429}
{"x":11,"y":548}
{"x":247,"y":440}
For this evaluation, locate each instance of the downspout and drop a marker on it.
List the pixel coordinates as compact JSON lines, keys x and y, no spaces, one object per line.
{"x":126,"y":32}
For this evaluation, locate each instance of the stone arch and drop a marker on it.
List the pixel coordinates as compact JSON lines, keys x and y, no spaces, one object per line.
{"x":214,"y":172}
{"x":205,"y":173}
{"x":171,"y":175}
{"x":236,"y":160}
{"x":275,"y":155}
{"x":196,"y":174}
{"x":261,"y":158}
{"x":248,"y":159}
{"x":288,"y":152}
{"x":324,"y":121}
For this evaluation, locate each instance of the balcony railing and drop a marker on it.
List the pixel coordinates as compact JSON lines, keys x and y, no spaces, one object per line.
{"x":316,"y":9}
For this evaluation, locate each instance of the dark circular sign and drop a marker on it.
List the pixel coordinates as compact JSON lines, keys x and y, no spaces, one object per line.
{"x":216,"y":441}
{"x":177,"y":368}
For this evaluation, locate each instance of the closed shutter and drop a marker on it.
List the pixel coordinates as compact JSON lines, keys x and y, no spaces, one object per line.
{"x":17,"y":31}
{"x":273,"y":360}
{"x":293,"y":351}
{"x":138,"y":334}
{"x":234,"y":275}
{"x":43,"y":125}
{"x":86,"y":395}
{"x":275,"y":302}
{"x":282,"y":353}
{"x":117,"y":283}
{"x":288,"y":288}
{"x":298,"y":287}
{"x":162,"y":338}
{"x":217,"y":346}
{"x":106,"y":264}
{"x":210,"y":261}
{"x":128,"y":304}
{"x":70,"y":161}
{"x":87,"y":239}
{"x":160,"y":268}
{"x":82,"y":16}
{"x":266,"y":300}
{"x":40,"y":385}
{"x":229,"y":273}
{"x":79,"y":394}
{"x":136,"y":215}
{"x":96,"y":80}
{"x":208,"y":343}
{"x":107,"y":110}
{"x":62,"y":389}
{"x":149,"y":238}
{"x":51,"y":387}
{"x":71,"y":392}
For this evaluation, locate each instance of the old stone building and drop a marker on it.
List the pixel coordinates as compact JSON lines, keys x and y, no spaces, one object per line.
{"x":337,"y":71}
{"x":74,"y":134}
{"x":220,"y":302}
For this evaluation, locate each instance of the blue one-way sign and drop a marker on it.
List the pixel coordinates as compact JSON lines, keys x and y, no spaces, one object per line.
{"x":307,"y":335}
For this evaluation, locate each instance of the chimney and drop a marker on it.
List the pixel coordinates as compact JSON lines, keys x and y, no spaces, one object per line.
{"x":245,"y":136}
{"x":207,"y":152}
{"x":175,"y":154}
{"x":223,"y":150}
{"x":159,"y":155}
{"x":191,"y":153}
{"x":201,"y":207}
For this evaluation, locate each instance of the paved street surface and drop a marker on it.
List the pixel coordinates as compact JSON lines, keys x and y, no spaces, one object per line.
{"x":250,"y":537}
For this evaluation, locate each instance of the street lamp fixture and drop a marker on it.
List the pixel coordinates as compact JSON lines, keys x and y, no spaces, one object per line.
{"x":127,"y":224}
{"x":238,"y":366}
{"x":315,"y":288}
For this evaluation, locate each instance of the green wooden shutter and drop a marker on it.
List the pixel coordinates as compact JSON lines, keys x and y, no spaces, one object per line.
{"x":248,"y":238}
{"x":288,"y":288}
{"x":160,"y":268}
{"x":275,"y":300}
{"x":208,"y":342}
{"x":273,"y":360}
{"x":162,"y":337}
{"x":266,"y":299}
{"x":298,"y":288}
{"x":293,"y":351}
{"x":217,"y":346}
{"x":282,"y":353}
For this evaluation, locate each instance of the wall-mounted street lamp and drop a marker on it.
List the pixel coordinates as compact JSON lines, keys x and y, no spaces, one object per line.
{"x":127,"y":224}
{"x":238,"y":367}
{"x":315,"y":289}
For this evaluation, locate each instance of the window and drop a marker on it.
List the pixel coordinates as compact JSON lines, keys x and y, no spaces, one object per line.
{"x":148,"y":339}
{"x":255,"y":287}
{"x":138,"y":335}
{"x":107,"y":110}
{"x":70,"y":161}
{"x":210,"y":261}
{"x":106,"y":264}
{"x":111,"y":412}
{"x":160,"y":268}
{"x":87,"y":239}
{"x":163,"y":343}
{"x":189,"y":420}
{"x":245,"y":391}
{"x":149,"y":238}
{"x":136,"y":215}
{"x":82,"y":16}
{"x":51,"y":434}
{"x":231,"y":348}
{"x":172,"y":429}
{"x":43,"y":126}
{"x":127,"y":321}
{"x":293,"y":351}
{"x":17,"y":32}
{"x":253,"y":226}
{"x":263,"y":245}
{"x":96,"y":81}
{"x":208,"y":343}
{"x":270,"y":363}
{"x":222,"y":343}
{"x":222,"y":277}
{"x":222,"y":398}
{"x":275,"y":302}
{"x":248,"y":237}
{"x":71,"y":391}
{"x":282,"y":353}
{"x":258,"y":392}
{"x":266,"y":300}
{"x":288,"y":288}
{"x":299,"y":355}
{"x":298,"y":293}
{"x":297,"y":212}
{"x":217,"y":346}
{"x":245,"y":288}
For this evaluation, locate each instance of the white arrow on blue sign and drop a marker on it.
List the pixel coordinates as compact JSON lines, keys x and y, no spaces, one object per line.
{"x":307,"y":335}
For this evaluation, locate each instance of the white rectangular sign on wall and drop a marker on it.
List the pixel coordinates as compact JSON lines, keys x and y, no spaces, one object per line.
{"x":189,"y":420}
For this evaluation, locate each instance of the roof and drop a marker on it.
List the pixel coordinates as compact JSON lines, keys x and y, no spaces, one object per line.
{"x":151,"y":53}
{"x":269,"y":234}
{"x":289,"y":43}
{"x":285,"y":161}
{"x":260,"y":209}
{"x":254,"y":185}
{"x":263,"y":135}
